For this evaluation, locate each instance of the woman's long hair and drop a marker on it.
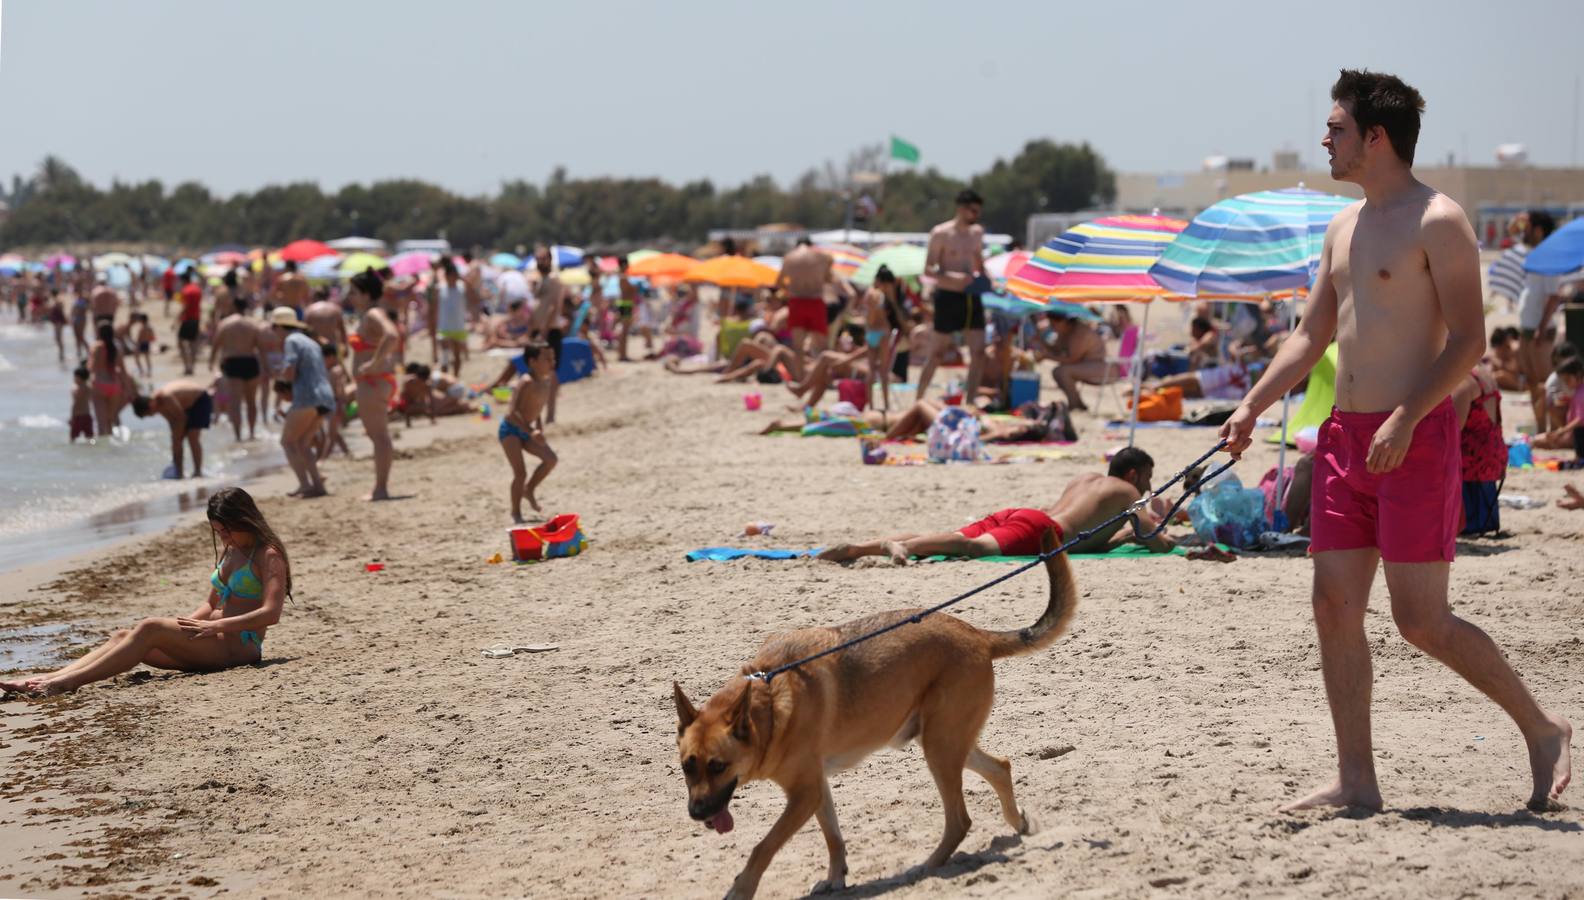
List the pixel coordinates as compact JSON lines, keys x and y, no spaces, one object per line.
{"x":107,"y":337}
{"x":234,"y":508}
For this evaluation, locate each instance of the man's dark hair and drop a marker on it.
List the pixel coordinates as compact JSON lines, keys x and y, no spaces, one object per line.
{"x":140,"y":407}
{"x":968,"y":196}
{"x":1571,"y":366}
{"x":1129,"y":459}
{"x":80,"y":373}
{"x":532,"y":351}
{"x":1377,"y":99}
{"x":1539,"y":218}
{"x":805,"y":241}
{"x":241,"y":304}
{"x":1200,"y":323}
{"x":187,"y":275}
{"x":1499,"y":336}
{"x":229,"y":279}
{"x":291,"y":265}
{"x":467,"y":256}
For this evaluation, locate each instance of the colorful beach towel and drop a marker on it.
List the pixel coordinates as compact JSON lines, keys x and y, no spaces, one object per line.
{"x":905,"y":453}
{"x":727,"y":554}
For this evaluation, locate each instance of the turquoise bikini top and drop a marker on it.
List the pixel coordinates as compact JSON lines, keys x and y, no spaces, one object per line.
{"x":243,"y":583}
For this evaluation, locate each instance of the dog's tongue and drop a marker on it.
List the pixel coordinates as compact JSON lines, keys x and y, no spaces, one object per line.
{"x":721,"y":821}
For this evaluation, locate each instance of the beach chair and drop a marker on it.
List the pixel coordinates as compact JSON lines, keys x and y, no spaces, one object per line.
{"x":1119,"y":370}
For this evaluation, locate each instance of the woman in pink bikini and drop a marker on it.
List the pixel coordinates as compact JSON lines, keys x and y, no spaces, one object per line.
{"x":373,"y":345}
{"x":108,"y":367}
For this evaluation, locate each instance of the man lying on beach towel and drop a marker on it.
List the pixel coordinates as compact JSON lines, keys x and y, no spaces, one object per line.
{"x":1089,"y":500}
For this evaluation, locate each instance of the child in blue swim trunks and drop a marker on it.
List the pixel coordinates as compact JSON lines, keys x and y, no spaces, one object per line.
{"x":522,"y":427}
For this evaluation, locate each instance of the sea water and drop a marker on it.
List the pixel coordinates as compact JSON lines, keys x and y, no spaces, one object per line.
{"x":59,"y":498}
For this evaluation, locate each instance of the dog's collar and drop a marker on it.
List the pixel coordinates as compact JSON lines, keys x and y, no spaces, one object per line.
{"x":758,"y":676}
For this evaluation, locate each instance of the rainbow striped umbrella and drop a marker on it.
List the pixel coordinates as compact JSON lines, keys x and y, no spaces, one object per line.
{"x":1107,"y":259}
{"x":1253,"y":244}
{"x":847,"y":258}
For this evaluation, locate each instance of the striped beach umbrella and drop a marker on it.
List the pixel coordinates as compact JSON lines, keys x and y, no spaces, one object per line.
{"x":1506,"y":276}
{"x":847,"y":258}
{"x":1106,"y":260}
{"x":1253,"y":244}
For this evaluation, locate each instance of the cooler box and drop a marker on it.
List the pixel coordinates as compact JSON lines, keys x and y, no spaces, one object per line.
{"x":559,"y":537}
{"x":577,"y":360}
{"x":1025,"y":388}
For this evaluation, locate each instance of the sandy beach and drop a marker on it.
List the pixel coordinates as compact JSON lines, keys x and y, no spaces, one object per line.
{"x":375,"y":752}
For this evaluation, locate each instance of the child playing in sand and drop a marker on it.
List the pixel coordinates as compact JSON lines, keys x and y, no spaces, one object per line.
{"x":1570,"y":434}
{"x":521,"y":428}
{"x":82,"y":422}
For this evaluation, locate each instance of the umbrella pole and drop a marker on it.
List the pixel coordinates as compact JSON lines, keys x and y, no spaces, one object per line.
{"x":1281,"y":453}
{"x":1138,"y":372}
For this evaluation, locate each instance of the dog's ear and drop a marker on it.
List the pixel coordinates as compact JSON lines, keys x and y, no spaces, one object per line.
{"x":685,"y":711}
{"x":740,"y":719}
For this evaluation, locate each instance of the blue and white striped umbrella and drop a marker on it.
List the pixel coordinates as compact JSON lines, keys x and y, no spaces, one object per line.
{"x":1260,"y":243}
{"x":1506,"y":275}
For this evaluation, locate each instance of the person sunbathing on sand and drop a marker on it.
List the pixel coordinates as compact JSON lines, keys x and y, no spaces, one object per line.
{"x":1089,"y":500}
{"x":1054,"y":423}
{"x":247,"y":592}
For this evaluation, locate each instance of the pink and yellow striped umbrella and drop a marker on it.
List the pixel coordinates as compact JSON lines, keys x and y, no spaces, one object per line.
{"x":1107,"y":259}
{"x":847,"y":258}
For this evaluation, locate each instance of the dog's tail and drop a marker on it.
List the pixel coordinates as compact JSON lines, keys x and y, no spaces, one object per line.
{"x":1058,"y":612}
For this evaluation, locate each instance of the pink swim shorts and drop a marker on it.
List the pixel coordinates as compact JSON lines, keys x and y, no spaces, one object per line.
{"x":1411,"y":514}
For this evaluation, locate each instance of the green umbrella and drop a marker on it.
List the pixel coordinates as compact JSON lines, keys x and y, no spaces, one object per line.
{"x":357,"y":262}
{"x":904,"y":261}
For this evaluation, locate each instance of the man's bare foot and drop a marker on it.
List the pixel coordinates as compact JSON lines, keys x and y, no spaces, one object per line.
{"x":297,"y":493}
{"x":16,"y":686}
{"x":313,"y":492}
{"x":532,"y":502}
{"x":379,"y":495}
{"x":899,"y":552}
{"x":837,"y":553}
{"x":517,"y":519}
{"x":1573,"y":500}
{"x":1551,"y":763}
{"x":1336,"y":795}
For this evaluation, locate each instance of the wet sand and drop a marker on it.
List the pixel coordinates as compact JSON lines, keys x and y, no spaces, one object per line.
{"x":376,"y":753}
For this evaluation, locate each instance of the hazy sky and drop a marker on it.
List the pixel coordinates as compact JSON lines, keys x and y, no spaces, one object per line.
{"x":469,"y":94}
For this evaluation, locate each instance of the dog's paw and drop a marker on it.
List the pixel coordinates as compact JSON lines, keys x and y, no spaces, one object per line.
{"x":829,"y":886}
{"x":1029,"y":825}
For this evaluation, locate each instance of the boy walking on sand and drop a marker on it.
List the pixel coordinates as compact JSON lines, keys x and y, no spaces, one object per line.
{"x":522,"y":427}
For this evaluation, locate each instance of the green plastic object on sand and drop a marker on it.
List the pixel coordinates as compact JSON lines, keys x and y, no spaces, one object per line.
{"x":1319,"y":397}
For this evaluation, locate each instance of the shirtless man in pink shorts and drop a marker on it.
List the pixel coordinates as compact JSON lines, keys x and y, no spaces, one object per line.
{"x":1399,"y":290}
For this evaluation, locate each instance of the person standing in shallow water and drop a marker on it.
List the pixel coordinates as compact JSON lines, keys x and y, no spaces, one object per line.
{"x":1399,"y":290}
{"x":246,"y":595}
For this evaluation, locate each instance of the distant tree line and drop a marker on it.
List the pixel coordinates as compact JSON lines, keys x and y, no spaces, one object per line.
{"x":56,"y":205}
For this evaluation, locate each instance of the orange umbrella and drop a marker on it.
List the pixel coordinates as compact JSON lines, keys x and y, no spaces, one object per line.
{"x":732,"y":272}
{"x":663,"y":267}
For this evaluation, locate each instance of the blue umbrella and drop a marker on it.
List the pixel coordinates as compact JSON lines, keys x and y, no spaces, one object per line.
{"x":1018,"y":307}
{"x":506,"y":261}
{"x":323,"y":268}
{"x":182,"y":265}
{"x":1559,"y":254}
{"x":8,"y":268}
{"x":1252,"y":244}
{"x":567,"y":257}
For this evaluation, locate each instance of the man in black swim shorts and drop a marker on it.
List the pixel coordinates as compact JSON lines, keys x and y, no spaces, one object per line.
{"x":955,"y":259}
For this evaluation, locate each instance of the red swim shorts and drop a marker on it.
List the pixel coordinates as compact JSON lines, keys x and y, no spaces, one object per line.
{"x":1016,"y":531}
{"x":1410,"y":513}
{"x":807,"y":313}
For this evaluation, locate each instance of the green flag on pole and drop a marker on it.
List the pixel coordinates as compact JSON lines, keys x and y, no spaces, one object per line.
{"x":904,"y":151}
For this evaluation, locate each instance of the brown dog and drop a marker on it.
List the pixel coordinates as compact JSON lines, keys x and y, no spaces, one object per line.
{"x":932,"y":681}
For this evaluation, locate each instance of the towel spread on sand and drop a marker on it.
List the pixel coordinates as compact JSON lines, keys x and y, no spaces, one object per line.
{"x":726,"y":554}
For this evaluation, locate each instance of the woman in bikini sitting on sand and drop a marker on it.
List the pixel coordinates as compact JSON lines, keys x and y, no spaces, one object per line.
{"x":247,"y":591}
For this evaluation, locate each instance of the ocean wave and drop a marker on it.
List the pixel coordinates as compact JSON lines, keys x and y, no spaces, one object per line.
{"x":40,"y":421}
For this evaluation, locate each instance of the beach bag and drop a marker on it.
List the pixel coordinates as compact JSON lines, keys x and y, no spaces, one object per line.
{"x":1229,"y":513}
{"x":954,"y":437}
{"x":557,"y":538}
{"x":1164,"y":405}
